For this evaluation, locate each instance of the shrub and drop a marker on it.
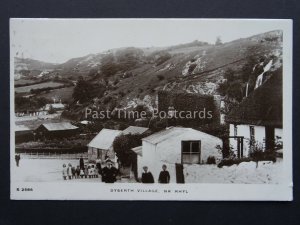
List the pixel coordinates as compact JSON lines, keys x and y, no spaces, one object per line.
{"x":211,"y":160}
{"x":192,"y":67}
{"x":160,"y":77}
{"x":232,"y":161}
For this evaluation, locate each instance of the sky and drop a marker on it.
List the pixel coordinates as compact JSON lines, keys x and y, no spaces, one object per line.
{"x":58,"y":40}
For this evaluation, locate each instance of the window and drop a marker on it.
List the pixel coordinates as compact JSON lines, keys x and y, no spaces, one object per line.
{"x":252,"y":133}
{"x":191,"y":152}
{"x":235,"y":131}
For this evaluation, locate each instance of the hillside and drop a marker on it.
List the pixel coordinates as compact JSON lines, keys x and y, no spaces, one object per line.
{"x":131,"y":76}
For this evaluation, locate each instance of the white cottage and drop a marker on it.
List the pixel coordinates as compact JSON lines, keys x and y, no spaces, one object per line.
{"x":257,"y":120}
{"x":175,"y":147}
{"x":102,"y":145}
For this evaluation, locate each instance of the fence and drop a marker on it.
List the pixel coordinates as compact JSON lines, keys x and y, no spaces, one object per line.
{"x":44,"y":155}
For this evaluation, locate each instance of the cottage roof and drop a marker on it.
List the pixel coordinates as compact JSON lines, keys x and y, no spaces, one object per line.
{"x":104,"y":139}
{"x":262,"y":107}
{"x":59,"y":126}
{"x":166,"y":134}
{"x":138,"y":150}
{"x":135,"y":130}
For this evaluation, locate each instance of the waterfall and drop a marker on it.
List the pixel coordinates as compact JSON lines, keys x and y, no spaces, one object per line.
{"x":259,"y":79}
{"x":247,"y":87}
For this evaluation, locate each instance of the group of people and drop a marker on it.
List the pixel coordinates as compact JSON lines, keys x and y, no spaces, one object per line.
{"x":72,"y":172}
{"x":108,"y":173}
{"x":164,"y":176}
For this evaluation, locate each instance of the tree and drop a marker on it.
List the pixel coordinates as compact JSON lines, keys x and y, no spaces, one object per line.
{"x":229,"y":75}
{"x":218,"y":40}
{"x":122,"y":146}
{"x":82,"y":91}
{"x":51,"y":110}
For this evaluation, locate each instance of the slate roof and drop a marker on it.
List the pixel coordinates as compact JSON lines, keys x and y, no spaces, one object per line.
{"x":135,"y":130}
{"x":59,"y":126}
{"x":104,"y":139}
{"x":262,"y":107}
{"x":165,"y":134}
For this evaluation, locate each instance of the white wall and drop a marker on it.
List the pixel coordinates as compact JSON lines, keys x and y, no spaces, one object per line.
{"x":279,"y":132}
{"x":244,"y":130}
{"x":92,"y":153}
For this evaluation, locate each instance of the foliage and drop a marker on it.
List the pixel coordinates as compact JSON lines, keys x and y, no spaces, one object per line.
{"x":162,"y":57}
{"x":211,"y":160}
{"x":32,"y":103}
{"x":122,"y":146}
{"x":83,"y":91}
{"x":160,"y":77}
{"x":51,"y":110}
{"x":218,"y":41}
{"x":232,"y":161}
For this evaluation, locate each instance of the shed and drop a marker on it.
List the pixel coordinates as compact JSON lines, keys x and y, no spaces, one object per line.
{"x":51,"y":130}
{"x":102,"y":144}
{"x":176,"y":146}
{"x":23,"y":133}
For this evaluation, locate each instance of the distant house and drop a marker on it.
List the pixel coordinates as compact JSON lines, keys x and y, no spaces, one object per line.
{"x":257,"y":120}
{"x":56,"y":130}
{"x":135,"y":130}
{"x":55,"y":106}
{"x":23,"y":133}
{"x":102,"y":145}
{"x":175,"y":147}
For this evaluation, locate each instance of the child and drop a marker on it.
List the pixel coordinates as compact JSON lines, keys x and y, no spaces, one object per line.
{"x":78,"y":172}
{"x":73,"y":172}
{"x":96,"y":172}
{"x":90,"y":171}
{"x":64,"y":172}
{"x":81,"y":173}
{"x":93,"y":171}
{"x":69,"y":171}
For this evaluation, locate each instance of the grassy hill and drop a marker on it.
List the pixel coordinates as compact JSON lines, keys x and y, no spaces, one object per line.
{"x":131,"y":76}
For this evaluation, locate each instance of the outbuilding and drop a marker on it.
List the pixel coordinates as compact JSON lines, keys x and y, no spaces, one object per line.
{"x":176,"y":147}
{"x":56,"y":130}
{"x":101,"y":146}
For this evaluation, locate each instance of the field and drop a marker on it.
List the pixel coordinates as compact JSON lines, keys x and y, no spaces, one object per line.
{"x":26,"y":89}
{"x":65,"y":94}
{"x":24,"y":81}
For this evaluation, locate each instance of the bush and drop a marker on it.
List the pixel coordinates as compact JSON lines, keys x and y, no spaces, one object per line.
{"x":211,"y":160}
{"x":160,"y":77}
{"x":232,"y":161}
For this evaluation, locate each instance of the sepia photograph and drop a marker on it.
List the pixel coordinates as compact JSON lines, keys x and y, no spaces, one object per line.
{"x":151,"y":109}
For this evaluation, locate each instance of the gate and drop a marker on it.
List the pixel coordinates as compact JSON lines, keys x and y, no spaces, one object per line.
{"x":179,"y":173}
{"x":240,"y":145}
